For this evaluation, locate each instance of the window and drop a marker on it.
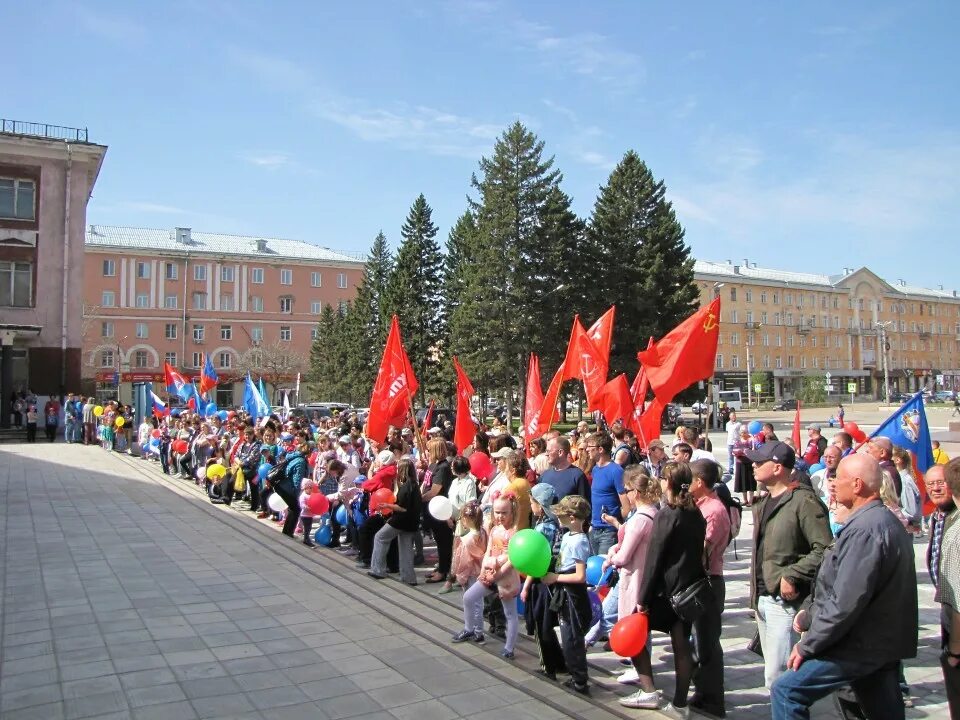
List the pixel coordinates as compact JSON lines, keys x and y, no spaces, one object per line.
{"x":226,"y":302}
{"x":140,"y":359}
{"x":199,"y":272}
{"x":342,"y":308}
{"x":766,"y":362}
{"x":749,"y":295}
{"x":286,"y":304}
{"x":106,"y":329}
{"x":733,"y":316}
{"x":141,"y":330}
{"x":790,"y":361}
{"x":789,"y":318}
{"x":226,"y":332}
{"x":734,"y":338}
{"x":170,"y":332}
{"x":109,"y":268}
{"x":750,"y":316}
{"x":170,"y":358}
{"x":790,"y":341}
{"x":256,"y":276}
{"x":256,"y":303}
{"x":256,"y":334}
{"x":720,"y":362}
{"x":316,"y":307}
{"x":315,"y":279}
{"x":778,"y":341}
{"x":733,"y":294}
{"x":778,"y":363}
{"x":143,"y":270}
{"x":198,"y":333}
{"x":107,"y":298}
{"x":314,"y":333}
{"x":17,"y":199}
{"x":788,"y":298}
{"x":16,"y":284}
{"x":225,"y":359}
{"x":735,"y":362}
{"x":342,"y":281}
{"x":763,"y":317}
{"x":285,"y":333}
{"x":226,"y":273}
{"x":765,"y":341}
{"x":763,"y":297}
{"x":170,"y":271}
{"x":106,"y":359}
{"x":170,"y":302}
{"x":197,"y":360}
{"x":776,"y":299}
{"x":286,"y":276}
{"x":837,"y":341}
{"x":813,"y":341}
{"x":143,"y":300}
{"x":198,"y":300}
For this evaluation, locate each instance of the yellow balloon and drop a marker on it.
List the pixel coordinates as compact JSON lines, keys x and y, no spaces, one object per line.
{"x":216,"y":471}
{"x":98,"y":410}
{"x":119,"y":422}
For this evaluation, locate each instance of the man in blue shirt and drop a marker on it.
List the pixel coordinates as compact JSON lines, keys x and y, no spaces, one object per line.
{"x":565,"y":478}
{"x":607,"y":493}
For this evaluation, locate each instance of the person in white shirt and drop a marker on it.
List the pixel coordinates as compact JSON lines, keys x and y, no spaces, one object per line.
{"x":346,"y":452}
{"x":733,"y":435}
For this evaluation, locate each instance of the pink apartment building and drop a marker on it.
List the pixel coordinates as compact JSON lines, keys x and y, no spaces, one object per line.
{"x":250,"y":303}
{"x":47,"y":173}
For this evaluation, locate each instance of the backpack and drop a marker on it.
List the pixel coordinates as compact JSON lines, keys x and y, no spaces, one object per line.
{"x":278,"y":475}
{"x":735,"y":509}
{"x":631,"y":457}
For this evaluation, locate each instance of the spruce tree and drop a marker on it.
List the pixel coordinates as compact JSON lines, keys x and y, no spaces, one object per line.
{"x":643,"y":264}
{"x":320,"y":375}
{"x":414,"y":293}
{"x":458,"y":262}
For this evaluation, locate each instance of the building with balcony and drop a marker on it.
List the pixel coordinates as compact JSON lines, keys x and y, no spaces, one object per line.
{"x":47,"y":174}
{"x":177,"y":296}
{"x":785,"y":326}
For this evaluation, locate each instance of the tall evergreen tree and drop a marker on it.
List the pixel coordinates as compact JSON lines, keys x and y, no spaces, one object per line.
{"x":458,"y":262}
{"x":323,"y":357}
{"x":637,"y":243}
{"x":376,"y":277}
{"x":414,"y":294}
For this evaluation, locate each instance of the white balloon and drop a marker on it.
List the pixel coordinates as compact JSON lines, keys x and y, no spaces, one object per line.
{"x":276,"y":503}
{"x":441,"y":508}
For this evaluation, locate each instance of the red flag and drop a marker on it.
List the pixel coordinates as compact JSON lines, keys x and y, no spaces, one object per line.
{"x":649,"y":427}
{"x":533,"y":399}
{"x":543,"y":418}
{"x":615,"y":402}
{"x":795,"y":436}
{"x":601,"y":335}
{"x":685,"y":354}
{"x":638,"y":395}
{"x":393,"y":388}
{"x":465,"y":430}
{"x":585,"y":362}
{"x":428,"y":418}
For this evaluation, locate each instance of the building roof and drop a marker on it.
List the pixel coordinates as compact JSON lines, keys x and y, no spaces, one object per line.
{"x":185,"y":240}
{"x":752,"y":272}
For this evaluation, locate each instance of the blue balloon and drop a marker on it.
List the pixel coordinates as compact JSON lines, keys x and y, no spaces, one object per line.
{"x":210,"y":409}
{"x":755,"y":427}
{"x":596,"y":608}
{"x":154,"y":442}
{"x":342,"y":515}
{"x":223,"y":415}
{"x":816,"y":468}
{"x":594,"y":569}
{"x":521,"y":606}
{"x":324,"y":535}
{"x":263,"y":470}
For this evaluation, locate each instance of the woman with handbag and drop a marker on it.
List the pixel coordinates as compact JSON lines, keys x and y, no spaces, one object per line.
{"x":675,"y":587}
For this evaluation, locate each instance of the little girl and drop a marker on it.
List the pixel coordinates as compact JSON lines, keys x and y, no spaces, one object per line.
{"x":463,"y":489}
{"x":540,"y":616}
{"x":570,"y":579}
{"x":497,"y":575}
{"x":307,"y":488}
{"x":467,"y":557}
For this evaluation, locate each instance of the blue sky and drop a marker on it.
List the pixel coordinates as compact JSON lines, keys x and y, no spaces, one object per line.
{"x":806,"y":136}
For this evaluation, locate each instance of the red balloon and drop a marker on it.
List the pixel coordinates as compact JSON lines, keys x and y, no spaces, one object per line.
{"x":629,"y":635}
{"x":155,"y":433}
{"x":317,"y":503}
{"x":180,"y":447}
{"x":603,"y":591}
{"x":383,"y":495}
{"x":854,"y":431}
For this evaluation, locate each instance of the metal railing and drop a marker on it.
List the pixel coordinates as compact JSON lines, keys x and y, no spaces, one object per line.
{"x":44,"y":130}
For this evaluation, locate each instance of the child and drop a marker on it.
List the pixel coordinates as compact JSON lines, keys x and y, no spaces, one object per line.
{"x":307,"y":488}
{"x":463,"y":489}
{"x":467,"y":557}
{"x":570,"y":579}
{"x":32,"y":417}
{"x":541,"y":617}
{"x":497,"y":576}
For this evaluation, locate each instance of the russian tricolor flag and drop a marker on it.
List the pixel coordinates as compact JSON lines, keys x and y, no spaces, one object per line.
{"x":160,"y":408}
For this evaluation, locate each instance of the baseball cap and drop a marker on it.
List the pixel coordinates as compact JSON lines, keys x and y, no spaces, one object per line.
{"x":502,"y":453}
{"x":813,"y":426}
{"x":434,"y":430}
{"x":777,"y":451}
{"x":385,"y":457}
{"x":345,"y":439}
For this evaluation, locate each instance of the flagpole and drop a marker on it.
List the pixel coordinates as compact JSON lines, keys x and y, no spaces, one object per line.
{"x":416,"y":430}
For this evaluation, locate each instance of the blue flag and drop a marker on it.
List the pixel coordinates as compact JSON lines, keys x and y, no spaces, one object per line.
{"x":908,"y":428}
{"x":253,"y":403}
{"x":264,"y":396}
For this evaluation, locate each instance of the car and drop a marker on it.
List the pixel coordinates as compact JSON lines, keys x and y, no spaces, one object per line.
{"x":787,"y":404}
{"x":700,"y":407}
{"x":898,"y":397}
{"x":672,"y":417}
{"x":943,"y":396}
{"x":440,"y":415}
{"x":310,"y":409}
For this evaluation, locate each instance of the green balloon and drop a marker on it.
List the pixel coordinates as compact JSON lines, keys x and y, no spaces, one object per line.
{"x":529,"y":553}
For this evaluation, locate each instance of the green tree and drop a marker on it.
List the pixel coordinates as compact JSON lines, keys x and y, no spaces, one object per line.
{"x":372,"y":290}
{"x":459,"y":261}
{"x":642,"y":263}
{"x":414,"y":294}
{"x":321,"y":380}
{"x":813,"y":389}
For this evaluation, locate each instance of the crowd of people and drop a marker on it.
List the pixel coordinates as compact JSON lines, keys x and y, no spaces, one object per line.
{"x":833,"y":528}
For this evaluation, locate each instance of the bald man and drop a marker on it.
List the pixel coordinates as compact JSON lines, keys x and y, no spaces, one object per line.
{"x":863,"y":620}
{"x":881,"y":449}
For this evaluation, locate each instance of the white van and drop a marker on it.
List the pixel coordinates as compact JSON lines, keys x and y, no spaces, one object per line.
{"x":731,"y":398}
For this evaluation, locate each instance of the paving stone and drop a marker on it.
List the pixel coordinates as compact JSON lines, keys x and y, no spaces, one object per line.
{"x":222,"y":705}
{"x":154,"y":695}
{"x":95,"y":705}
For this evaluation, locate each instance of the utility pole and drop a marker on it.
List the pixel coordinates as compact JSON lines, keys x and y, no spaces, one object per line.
{"x":886,"y":368}
{"x":749,"y":378}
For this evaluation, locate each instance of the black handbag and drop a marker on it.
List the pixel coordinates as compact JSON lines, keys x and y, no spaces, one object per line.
{"x":691,"y":603}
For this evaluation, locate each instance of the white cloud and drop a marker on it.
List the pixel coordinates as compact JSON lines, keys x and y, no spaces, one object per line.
{"x":590,"y":54}
{"x":269,"y":160}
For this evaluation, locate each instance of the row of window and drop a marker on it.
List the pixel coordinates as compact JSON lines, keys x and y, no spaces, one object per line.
{"x":227,"y":274}
{"x":171,"y":331}
{"x":198,"y":301}
{"x":825,"y":321}
{"x":833,"y":301}
{"x":827,"y":363}
{"x":141,"y":359}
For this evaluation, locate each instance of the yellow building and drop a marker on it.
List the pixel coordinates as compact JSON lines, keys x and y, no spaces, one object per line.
{"x":786,"y":326}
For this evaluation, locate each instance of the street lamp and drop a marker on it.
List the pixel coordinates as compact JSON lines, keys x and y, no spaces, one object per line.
{"x":119,"y":365}
{"x":885,"y":348}
{"x":713,"y":379}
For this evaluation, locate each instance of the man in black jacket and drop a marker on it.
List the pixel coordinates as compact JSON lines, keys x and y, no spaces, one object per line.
{"x":863,"y":620}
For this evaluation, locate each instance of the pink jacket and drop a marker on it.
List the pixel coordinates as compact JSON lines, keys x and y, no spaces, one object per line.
{"x":628,"y":557}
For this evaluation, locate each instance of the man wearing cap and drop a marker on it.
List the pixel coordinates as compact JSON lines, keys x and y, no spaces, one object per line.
{"x":346,"y":452}
{"x":790,"y":533}
{"x":816,"y":444}
{"x":564,"y":477}
{"x":863,"y":620}
{"x":656,"y":457}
